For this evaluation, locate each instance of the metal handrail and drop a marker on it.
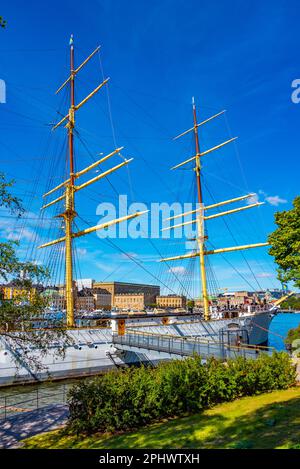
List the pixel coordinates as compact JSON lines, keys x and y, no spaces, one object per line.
{"x":165,"y":343}
{"x":36,"y":398}
{"x":202,"y":340}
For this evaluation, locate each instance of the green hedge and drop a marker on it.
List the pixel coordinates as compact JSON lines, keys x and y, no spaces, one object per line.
{"x":132,"y":398}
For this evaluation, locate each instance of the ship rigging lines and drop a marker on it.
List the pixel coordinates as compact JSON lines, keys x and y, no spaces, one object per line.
{"x":167,"y":275}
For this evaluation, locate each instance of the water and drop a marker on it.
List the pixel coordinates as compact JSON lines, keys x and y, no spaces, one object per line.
{"x":29,"y":397}
{"x":281,"y":324}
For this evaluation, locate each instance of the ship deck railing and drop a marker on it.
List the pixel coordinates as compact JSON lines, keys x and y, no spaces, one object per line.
{"x":186,"y":346}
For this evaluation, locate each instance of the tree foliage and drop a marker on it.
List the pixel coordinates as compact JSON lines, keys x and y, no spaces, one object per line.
{"x":7,"y":199}
{"x":19,"y":315}
{"x":285,"y":242}
{"x":2,"y":22}
{"x":293,"y":302}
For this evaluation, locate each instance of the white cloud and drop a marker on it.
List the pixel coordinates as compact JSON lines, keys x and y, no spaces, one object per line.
{"x":275,"y":200}
{"x":264,"y":275}
{"x":180,"y":270}
{"x":262,"y":192}
{"x":22,"y":234}
{"x":24,"y":228}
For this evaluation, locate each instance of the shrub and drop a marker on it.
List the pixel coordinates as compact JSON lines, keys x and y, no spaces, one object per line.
{"x":293,"y":334}
{"x":135,"y":397}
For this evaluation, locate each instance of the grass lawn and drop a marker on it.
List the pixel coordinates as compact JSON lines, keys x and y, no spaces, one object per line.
{"x":266,"y":421}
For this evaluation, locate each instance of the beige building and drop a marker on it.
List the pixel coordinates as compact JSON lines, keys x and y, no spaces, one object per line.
{"x":171,"y":301}
{"x":120,"y":288}
{"x":136,"y":301}
{"x":106,"y":295}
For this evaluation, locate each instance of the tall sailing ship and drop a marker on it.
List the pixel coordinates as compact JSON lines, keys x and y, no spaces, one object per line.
{"x":91,"y":349}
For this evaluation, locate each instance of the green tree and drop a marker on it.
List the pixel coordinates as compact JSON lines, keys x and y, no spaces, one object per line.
{"x":2,"y":22}
{"x":293,"y":302}
{"x":285,"y":244}
{"x":7,"y":200}
{"x":18,"y":314}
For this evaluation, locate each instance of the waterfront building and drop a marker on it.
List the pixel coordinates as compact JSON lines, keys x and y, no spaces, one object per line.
{"x":85,"y":303}
{"x":55,"y":298}
{"x":118,"y":288}
{"x":135,"y":301}
{"x":171,"y":301}
{"x":240,"y":299}
{"x":102,"y":299}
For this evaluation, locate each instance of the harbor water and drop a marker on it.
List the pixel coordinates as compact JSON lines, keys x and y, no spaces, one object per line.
{"x":279,"y":328}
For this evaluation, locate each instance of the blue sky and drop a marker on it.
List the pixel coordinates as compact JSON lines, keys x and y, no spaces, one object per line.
{"x":238,"y":56}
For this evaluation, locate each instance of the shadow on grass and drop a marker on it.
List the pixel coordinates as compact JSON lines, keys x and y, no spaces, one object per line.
{"x":271,"y":426}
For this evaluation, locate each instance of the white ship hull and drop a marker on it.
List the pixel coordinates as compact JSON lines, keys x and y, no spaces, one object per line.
{"x":90,"y":353}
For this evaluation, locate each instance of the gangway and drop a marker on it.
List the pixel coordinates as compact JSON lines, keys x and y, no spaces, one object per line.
{"x":184,"y":346}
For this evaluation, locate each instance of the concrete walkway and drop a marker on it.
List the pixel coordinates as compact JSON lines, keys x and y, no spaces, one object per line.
{"x":17,"y":427}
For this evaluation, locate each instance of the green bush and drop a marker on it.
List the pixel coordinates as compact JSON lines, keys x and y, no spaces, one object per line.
{"x":293,"y":334}
{"x":132,"y":398}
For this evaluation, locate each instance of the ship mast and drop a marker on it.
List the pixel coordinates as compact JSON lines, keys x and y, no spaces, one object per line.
{"x":200,"y":219}
{"x":70,"y":188}
{"x":69,"y":213}
{"x":201,"y":210}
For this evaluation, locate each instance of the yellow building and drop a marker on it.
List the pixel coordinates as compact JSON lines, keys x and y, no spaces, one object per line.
{"x":119,"y":288}
{"x":136,"y":301}
{"x":171,"y":301}
{"x":11,"y":292}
